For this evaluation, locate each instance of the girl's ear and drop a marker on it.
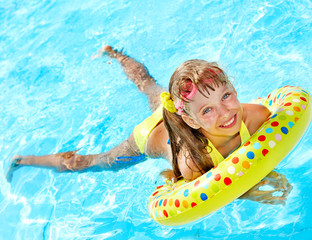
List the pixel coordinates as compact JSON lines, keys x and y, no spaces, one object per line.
{"x":190,"y":121}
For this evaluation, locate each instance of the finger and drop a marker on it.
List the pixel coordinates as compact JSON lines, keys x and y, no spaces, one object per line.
{"x":274,"y":202}
{"x":287,"y":191}
{"x":267,"y":193}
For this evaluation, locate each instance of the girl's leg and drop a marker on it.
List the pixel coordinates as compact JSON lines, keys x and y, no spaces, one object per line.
{"x":137,"y":73}
{"x":74,"y":162}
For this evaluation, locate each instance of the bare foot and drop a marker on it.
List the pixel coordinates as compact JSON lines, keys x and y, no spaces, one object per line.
{"x":106,"y":50}
{"x":13,"y":166}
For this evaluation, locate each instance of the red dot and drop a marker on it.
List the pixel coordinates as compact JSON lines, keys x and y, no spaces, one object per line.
{"x":165,"y":202}
{"x":227,"y":181}
{"x":287,"y":104}
{"x":177,"y":203}
{"x":156,"y":204}
{"x":303,"y":99}
{"x":193,"y":204}
{"x":217,"y":177}
{"x":274,"y":124}
{"x":155,"y":193}
{"x":235,"y":160}
{"x":265,"y":152}
{"x":261,"y":138}
{"x":197,"y":183}
{"x":160,"y":186}
{"x":247,"y":143}
{"x":165,"y":213}
{"x":288,"y":94}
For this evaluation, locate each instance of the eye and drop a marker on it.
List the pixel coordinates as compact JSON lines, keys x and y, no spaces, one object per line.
{"x":207,"y":110}
{"x":225,"y":96}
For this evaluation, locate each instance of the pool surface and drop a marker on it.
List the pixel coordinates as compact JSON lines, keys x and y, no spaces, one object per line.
{"x":55,"y":98}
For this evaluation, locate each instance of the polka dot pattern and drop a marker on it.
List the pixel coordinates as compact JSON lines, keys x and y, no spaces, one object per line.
{"x":287,"y":105}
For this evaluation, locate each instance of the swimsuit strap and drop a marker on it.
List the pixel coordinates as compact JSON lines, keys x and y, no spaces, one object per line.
{"x":244,"y":133}
{"x":216,"y":156}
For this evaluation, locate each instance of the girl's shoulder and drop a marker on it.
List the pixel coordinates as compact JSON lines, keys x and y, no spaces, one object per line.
{"x":254,"y":115}
{"x":187,"y":167}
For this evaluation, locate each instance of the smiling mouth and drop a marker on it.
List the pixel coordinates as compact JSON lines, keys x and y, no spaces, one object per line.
{"x":230,"y":123}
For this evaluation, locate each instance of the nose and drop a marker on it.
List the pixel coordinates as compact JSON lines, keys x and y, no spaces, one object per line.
{"x":224,"y":112}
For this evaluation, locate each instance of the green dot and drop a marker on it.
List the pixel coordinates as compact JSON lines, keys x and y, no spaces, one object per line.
{"x":215,"y":188}
{"x":194,"y":194}
{"x":171,"y":213}
{"x":282,"y":117}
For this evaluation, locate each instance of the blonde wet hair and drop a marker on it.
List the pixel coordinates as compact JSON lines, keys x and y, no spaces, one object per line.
{"x":205,"y":76}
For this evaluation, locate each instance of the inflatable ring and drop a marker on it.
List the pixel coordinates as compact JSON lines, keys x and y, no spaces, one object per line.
{"x":184,"y":202}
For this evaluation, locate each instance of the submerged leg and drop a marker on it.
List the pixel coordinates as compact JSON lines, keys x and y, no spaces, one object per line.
{"x":124,"y":155}
{"x":137,"y":73}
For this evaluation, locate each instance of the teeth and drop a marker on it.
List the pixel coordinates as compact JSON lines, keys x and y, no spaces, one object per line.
{"x":227,"y":124}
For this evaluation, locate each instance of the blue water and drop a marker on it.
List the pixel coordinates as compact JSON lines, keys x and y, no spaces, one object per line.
{"x":55,"y":98}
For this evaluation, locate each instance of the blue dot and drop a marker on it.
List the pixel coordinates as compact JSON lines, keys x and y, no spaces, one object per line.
{"x":278,"y":96}
{"x":206,"y":185}
{"x":160,"y":202}
{"x":180,"y":192}
{"x":284,"y":130}
{"x":209,"y":174}
{"x":256,"y":145}
{"x":291,"y":124}
{"x":203,"y":196}
{"x":186,"y":193}
{"x":241,"y":151}
{"x":250,"y":155}
{"x":269,"y":130}
{"x":270,"y":103}
{"x":156,"y":213}
{"x":274,"y":116}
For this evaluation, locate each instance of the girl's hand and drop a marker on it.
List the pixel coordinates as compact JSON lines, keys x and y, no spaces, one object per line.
{"x":279,"y":183}
{"x":168,"y":174}
{"x":13,"y":166}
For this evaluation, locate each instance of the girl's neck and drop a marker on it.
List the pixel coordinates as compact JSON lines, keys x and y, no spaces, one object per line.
{"x":220,"y":142}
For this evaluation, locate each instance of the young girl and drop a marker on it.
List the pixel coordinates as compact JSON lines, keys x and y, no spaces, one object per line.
{"x":201,"y":116}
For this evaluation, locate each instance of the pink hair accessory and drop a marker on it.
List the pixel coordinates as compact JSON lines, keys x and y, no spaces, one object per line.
{"x":191,"y":90}
{"x":208,"y":80}
{"x":179,"y":106}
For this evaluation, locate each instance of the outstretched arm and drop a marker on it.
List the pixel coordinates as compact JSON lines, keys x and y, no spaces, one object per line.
{"x":280,"y":185}
{"x":137,"y":73}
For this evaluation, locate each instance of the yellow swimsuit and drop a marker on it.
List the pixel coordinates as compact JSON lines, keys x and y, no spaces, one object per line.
{"x":216,"y":156}
{"x":142,"y":131}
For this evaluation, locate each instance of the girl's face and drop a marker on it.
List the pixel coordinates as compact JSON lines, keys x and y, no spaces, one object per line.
{"x":218,"y":115}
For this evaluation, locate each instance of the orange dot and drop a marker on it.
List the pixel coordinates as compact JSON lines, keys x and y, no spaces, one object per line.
{"x":246,"y":164}
{"x":196,"y":183}
{"x":296,"y":94}
{"x":177,"y":203}
{"x":297,"y":109}
{"x":235,"y":160}
{"x":296,"y":119}
{"x":217,"y":177}
{"x":170,"y":202}
{"x":185,"y":204}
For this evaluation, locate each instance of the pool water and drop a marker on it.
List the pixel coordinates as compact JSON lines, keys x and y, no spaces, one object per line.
{"x":55,"y":98}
